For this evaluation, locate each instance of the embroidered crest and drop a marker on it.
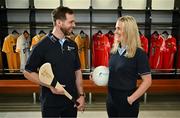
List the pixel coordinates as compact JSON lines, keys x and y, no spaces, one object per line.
{"x":70,"y":48}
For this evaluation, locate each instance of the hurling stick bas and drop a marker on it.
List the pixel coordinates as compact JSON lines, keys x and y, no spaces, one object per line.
{"x":60,"y":87}
{"x":46,"y":76}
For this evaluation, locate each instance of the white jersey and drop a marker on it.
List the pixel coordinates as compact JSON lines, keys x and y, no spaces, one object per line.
{"x":23,"y":47}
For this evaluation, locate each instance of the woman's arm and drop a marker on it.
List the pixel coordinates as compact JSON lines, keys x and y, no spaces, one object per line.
{"x":146,"y":83}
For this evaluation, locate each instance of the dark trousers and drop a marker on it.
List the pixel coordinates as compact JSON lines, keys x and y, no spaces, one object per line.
{"x":59,"y":112}
{"x":118,"y":106}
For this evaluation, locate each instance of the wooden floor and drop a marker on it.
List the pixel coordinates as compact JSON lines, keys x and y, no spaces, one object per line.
{"x":157,"y":106}
{"x":96,"y":114}
{"x":25,"y":103}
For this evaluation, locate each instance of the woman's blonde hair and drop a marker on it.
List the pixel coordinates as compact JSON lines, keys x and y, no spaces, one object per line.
{"x":131,"y":37}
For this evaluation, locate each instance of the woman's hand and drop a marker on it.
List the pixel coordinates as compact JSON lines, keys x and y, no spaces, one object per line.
{"x":130,"y":100}
{"x":90,"y":76}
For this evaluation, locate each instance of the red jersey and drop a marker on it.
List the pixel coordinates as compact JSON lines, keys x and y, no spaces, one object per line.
{"x":156,"y":51}
{"x":168,"y":53}
{"x":178,"y":62}
{"x":101,"y":49}
{"x":111,"y":38}
{"x":144,"y":43}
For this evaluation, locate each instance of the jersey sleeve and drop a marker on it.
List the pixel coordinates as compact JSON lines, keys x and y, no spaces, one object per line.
{"x":5,"y":47}
{"x":142,"y":63}
{"x":34,"y":61}
{"x":32,"y":43}
{"x":18,"y":44}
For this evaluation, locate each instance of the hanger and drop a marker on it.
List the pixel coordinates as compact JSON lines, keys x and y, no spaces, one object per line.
{"x":155,"y":33}
{"x":110,"y":32}
{"x":15,"y":32}
{"x":41,"y":32}
{"x":165,"y":32}
{"x":82,"y":32}
{"x":140,"y":33}
{"x":25,"y":31}
{"x":99,"y":32}
{"x":72,"y":33}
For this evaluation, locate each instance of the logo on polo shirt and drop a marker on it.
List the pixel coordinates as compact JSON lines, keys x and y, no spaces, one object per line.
{"x":70,"y":48}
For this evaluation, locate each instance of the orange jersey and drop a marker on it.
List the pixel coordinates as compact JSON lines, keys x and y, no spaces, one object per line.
{"x":35,"y":40}
{"x":71,"y":36}
{"x":83,"y":46}
{"x":101,"y":49}
{"x":9,"y":47}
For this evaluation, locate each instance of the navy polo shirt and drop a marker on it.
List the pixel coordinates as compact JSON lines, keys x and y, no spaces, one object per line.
{"x":124,"y":71}
{"x":64,"y":61}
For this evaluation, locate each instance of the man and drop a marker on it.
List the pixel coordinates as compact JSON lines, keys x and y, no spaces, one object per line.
{"x":62,"y":53}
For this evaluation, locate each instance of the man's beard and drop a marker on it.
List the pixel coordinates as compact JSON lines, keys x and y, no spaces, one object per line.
{"x":65,"y":31}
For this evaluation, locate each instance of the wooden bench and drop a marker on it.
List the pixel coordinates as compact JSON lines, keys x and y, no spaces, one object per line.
{"x":19,"y":87}
{"x":26,"y":86}
{"x":158,"y":86}
{"x":165,"y":86}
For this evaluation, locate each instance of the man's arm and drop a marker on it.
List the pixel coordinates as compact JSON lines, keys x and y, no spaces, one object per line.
{"x":79,"y":84}
{"x":79,"y":81}
{"x":32,"y":76}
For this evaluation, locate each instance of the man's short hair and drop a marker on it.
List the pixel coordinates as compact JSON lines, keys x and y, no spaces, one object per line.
{"x":60,"y":13}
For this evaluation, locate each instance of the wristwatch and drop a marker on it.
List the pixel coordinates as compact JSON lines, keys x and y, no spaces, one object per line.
{"x":82,"y":94}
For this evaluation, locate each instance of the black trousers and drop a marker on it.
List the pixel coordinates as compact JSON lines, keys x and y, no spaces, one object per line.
{"x":59,"y":112}
{"x":118,"y":106}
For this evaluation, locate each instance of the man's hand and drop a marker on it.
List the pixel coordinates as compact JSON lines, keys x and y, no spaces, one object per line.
{"x":81,"y":101}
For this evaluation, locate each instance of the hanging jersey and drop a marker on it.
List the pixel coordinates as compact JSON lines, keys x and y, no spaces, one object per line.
{"x":71,"y":36}
{"x":110,"y":38}
{"x":144,"y":43}
{"x":101,"y":50}
{"x":83,"y":46}
{"x":35,"y":40}
{"x":156,"y":51}
{"x":178,"y":53}
{"x":23,"y":47}
{"x":1,"y":66}
{"x":13,"y":58}
{"x":168,"y":54}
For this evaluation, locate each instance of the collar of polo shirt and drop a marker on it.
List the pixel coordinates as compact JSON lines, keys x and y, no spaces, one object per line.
{"x":61,"y":41}
{"x":121,"y":50}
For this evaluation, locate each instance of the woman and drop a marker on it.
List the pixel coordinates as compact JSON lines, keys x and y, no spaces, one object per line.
{"x":128,"y":61}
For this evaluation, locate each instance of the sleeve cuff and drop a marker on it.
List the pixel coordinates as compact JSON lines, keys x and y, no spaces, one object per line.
{"x":145,"y":73}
